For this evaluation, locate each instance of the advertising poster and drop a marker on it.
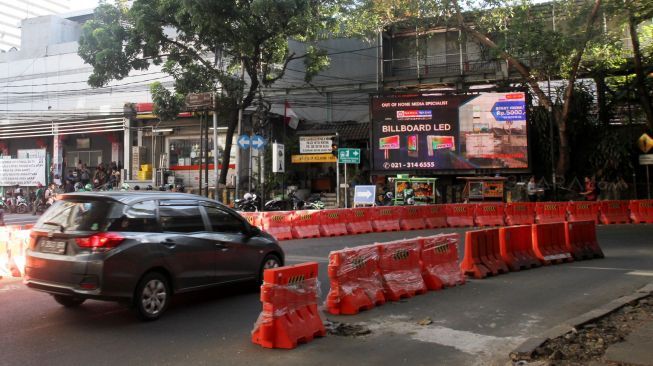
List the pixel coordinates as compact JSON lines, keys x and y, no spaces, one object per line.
{"x":449,"y":132}
{"x":24,"y":172}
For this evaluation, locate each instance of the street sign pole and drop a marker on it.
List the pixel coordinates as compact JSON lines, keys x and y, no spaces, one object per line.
{"x":338,"y":181}
{"x":346,"y":182}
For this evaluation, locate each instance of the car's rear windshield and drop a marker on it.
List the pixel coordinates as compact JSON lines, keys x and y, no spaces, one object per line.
{"x":78,"y":214}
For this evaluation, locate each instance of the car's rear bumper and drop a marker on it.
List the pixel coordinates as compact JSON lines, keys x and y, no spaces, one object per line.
{"x":61,"y":289}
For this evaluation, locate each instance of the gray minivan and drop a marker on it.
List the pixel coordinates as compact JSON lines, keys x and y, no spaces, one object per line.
{"x":140,"y":248}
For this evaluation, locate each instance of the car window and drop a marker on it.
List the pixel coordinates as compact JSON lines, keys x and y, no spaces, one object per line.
{"x":139,"y":217}
{"x":181,"y":219}
{"x":78,"y":214}
{"x":222,"y":221}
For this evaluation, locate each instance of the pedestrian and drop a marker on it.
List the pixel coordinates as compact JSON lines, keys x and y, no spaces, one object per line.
{"x":85,"y":175}
{"x":590,"y":192}
{"x":100,"y":176}
{"x":531,"y":189}
{"x":69,"y":186}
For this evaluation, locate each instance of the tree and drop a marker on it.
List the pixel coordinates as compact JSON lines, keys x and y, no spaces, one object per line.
{"x":517,"y":31}
{"x":229,"y":47}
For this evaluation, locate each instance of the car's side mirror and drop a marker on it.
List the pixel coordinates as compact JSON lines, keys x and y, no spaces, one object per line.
{"x":253,"y":231}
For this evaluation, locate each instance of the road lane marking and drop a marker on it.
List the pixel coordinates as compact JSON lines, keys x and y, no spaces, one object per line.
{"x":605,"y":268}
{"x":641,"y":273}
{"x":302,"y":258}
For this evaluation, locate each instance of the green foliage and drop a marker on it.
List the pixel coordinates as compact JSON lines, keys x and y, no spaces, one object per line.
{"x":205,"y":45}
{"x":166,"y":104}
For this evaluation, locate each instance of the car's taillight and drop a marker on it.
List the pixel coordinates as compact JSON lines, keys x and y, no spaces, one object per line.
{"x":100,"y":242}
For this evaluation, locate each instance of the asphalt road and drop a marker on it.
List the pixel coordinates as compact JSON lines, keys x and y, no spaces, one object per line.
{"x":474,"y":324}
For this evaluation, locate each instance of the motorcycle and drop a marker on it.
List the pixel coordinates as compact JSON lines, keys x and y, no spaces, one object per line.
{"x":249,"y":203}
{"x":291,"y":203}
{"x":314,"y":202}
{"x":22,"y":206}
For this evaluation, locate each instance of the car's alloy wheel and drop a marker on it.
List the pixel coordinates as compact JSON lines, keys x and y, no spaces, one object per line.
{"x":270,"y":261}
{"x":152,"y":296}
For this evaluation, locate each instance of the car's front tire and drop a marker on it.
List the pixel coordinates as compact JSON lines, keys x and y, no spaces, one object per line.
{"x":269,"y":262}
{"x":68,"y":301}
{"x":152,"y":296}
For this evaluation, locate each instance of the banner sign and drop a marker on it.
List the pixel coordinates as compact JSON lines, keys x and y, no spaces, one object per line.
{"x":278,"y":158}
{"x":315,"y":144}
{"x":24,"y":172}
{"x":449,"y":132}
{"x":30,"y":154}
{"x":313,"y":158}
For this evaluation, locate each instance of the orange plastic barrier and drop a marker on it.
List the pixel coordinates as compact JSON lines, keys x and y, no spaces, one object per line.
{"x":360,"y":221}
{"x":583,"y":211}
{"x":516,"y":246}
{"x":277,"y":224}
{"x":439,"y":260}
{"x":254,"y":218}
{"x":460,"y":214}
{"x":355,"y":279}
{"x":411,"y":218}
{"x":290,"y":315}
{"x":385,"y":218}
{"x":400,"y":268}
{"x":547,"y":212}
{"x":614,"y":212}
{"x":489,"y":214}
{"x":435,"y":216}
{"x":520,"y":213}
{"x":306,"y":224}
{"x":482,"y":254}
{"x":549,"y":243}
{"x":580,"y":237}
{"x":641,"y":211}
{"x":334,"y":222}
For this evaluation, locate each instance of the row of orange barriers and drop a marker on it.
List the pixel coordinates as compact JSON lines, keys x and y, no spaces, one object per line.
{"x":14,"y":240}
{"x":367,"y":276}
{"x":285,"y":225}
{"x":495,"y":251}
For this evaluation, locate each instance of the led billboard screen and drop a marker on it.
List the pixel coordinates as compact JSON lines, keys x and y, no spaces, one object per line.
{"x":449,"y":132}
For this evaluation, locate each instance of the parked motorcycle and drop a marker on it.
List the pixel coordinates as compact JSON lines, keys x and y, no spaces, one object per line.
{"x":314,"y":202}
{"x":249,"y":203}
{"x":291,"y":203}
{"x":22,"y":206}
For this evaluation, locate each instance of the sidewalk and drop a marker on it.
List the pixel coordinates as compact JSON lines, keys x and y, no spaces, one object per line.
{"x":636,"y":349}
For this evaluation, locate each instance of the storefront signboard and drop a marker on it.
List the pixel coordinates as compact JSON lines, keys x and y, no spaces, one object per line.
{"x":315,"y":144}
{"x":24,"y":172}
{"x":313,"y":158}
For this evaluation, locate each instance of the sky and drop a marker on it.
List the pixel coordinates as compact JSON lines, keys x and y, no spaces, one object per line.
{"x":82,"y":4}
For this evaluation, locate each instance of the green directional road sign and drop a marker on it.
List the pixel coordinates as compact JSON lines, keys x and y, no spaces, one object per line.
{"x":349,"y":156}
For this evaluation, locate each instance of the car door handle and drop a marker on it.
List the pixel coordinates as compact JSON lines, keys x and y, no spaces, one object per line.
{"x":168,"y":243}
{"x":222,"y":247}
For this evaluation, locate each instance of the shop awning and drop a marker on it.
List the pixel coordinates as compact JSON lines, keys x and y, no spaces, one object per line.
{"x":51,"y":128}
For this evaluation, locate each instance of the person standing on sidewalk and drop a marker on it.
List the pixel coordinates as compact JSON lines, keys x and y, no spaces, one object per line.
{"x":590,"y":192}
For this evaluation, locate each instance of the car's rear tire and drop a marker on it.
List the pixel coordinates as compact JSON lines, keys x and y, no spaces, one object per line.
{"x":68,"y":301}
{"x":270,"y":261}
{"x":152,"y":296}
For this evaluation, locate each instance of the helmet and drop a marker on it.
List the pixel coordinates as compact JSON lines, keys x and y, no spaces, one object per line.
{"x":78,"y":187}
{"x":124,"y":187}
{"x":390,"y":195}
{"x":148,"y":188}
{"x":88,"y":187}
{"x":137,"y":188}
{"x":248,"y":196}
{"x":410,"y":201}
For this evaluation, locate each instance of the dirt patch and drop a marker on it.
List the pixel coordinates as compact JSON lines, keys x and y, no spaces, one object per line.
{"x":589,"y":342}
{"x":346,"y":329}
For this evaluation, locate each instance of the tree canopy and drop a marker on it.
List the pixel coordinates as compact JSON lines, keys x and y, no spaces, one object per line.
{"x":230,"y":47}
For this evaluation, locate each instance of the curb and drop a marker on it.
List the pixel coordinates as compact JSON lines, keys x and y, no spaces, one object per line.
{"x":524,"y":352}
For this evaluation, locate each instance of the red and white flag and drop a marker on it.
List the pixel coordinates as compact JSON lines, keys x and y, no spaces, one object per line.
{"x":290,"y":117}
